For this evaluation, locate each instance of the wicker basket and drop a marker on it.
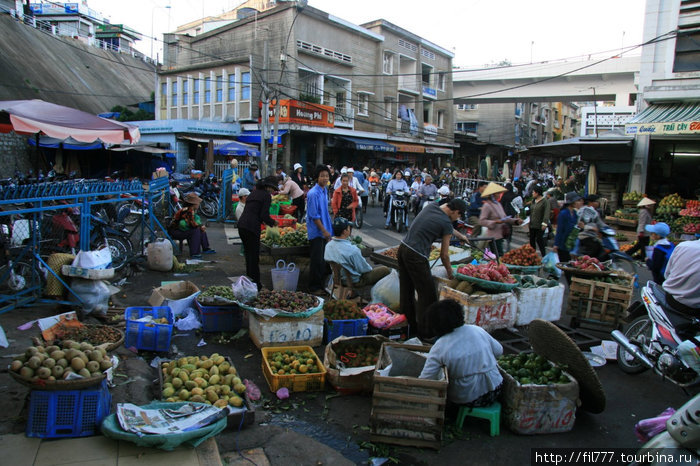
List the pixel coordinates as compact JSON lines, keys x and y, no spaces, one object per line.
{"x":42,"y":384}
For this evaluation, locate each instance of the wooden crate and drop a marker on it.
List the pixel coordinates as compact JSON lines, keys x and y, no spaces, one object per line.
{"x":407,"y":410}
{"x":592,"y":300}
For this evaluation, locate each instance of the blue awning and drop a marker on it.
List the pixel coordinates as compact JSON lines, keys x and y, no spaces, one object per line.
{"x":253,"y":137}
{"x":235,"y":148}
{"x":70,"y":143}
{"x":369,"y":144}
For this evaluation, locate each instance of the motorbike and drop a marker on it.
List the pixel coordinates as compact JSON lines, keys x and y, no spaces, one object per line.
{"x":210,"y":197}
{"x":399,"y":210}
{"x":358,"y":214}
{"x":652,"y":341}
{"x":112,"y":235}
{"x":619,"y":260}
{"x":382,"y":190}
{"x":374,"y":192}
{"x":424,"y":201}
{"x":678,"y":444}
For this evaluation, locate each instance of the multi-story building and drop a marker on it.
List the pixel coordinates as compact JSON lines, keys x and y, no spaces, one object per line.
{"x":504,"y":128}
{"x":667,"y":127}
{"x":363,"y":95}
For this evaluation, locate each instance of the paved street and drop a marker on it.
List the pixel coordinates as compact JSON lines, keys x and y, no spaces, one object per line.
{"x":311,"y":427}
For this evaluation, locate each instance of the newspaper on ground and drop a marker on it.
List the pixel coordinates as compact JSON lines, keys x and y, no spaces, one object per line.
{"x":162,"y":421}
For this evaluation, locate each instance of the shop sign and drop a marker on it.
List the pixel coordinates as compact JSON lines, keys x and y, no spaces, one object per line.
{"x":679,"y":127}
{"x":304,"y":113}
{"x":409,"y":148}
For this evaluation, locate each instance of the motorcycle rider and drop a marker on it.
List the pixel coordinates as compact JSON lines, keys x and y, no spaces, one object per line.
{"x":396,"y":184}
{"x":444,"y":193}
{"x":426,"y":191}
{"x":415,"y":187}
{"x":682,"y":285}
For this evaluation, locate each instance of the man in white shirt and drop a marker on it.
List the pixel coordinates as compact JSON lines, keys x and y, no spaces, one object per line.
{"x":353,"y":182}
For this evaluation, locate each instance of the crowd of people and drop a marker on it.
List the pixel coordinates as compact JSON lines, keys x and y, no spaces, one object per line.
{"x":328,"y":201}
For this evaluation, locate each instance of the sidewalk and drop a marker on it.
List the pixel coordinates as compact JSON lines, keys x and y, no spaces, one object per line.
{"x":101,"y":451}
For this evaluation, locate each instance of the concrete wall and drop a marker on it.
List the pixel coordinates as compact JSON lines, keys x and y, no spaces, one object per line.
{"x":16,"y":154}
{"x":65,"y":71}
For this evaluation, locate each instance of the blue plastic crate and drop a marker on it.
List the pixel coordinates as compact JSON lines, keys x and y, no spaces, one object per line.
{"x":332,"y":329}
{"x":145,"y":335}
{"x":220,"y":318}
{"x":68,"y":413}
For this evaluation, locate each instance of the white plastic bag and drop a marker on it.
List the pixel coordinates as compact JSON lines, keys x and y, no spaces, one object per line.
{"x":189,"y":322}
{"x":550,"y":261}
{"x":99,"y":259}
{"x":386,"y":291}
{"x":244,"y":289}
{"x":93,"y":293}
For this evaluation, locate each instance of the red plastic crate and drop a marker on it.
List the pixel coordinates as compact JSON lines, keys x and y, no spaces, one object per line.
{"x":282,"y":222}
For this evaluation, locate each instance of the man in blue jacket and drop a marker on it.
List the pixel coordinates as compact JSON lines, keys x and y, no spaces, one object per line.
{"x":566,"y":222}
{"x":318,"y":228}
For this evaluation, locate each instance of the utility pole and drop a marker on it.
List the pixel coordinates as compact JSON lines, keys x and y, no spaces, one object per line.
{"x":265,"y":118}
{"x":275,"y":133}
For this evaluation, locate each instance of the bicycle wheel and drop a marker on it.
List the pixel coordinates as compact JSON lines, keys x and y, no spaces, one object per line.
{"x":135,"y":214}
{"x":18,"y":279}
{"x":358,"y":218}
{"x":209,"y":208}
{"x":119,"y":250}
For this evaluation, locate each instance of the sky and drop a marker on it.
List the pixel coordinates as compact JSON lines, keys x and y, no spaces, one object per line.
{"x":478,"y":32}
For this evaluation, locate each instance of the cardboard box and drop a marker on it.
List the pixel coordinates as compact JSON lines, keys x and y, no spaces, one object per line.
{"x":490,"y":311}
{"x":539,"y":409}
{"x":177,"y":296}
{"x":286,"y":331}
{"x":353,"y":380}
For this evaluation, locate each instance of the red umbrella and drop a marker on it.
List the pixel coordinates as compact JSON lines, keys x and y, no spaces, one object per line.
{"x":57,"y":121}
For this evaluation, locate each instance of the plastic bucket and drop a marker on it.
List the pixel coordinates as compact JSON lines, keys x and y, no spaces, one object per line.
{"x":160,"y":255}
{"x":285,"y":277}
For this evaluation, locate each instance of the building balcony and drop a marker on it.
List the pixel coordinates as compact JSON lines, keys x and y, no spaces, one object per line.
{"x":409,"y":84}
{"x":344,"y":117}
{"x":429,"y":92}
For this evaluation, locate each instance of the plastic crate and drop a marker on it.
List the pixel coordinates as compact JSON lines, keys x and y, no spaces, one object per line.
{"x":346,"y":328}
{"x":69,"y":413}
{"x":145,"y":335}
{"x":220,"y":318}
{"x":274,"y":208}
{"x":281,"y":222}
{"x":294,"y":382}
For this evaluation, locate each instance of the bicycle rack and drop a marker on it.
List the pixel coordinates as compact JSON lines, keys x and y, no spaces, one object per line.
{"x":34,"y":201}
{"x":225,"y":197}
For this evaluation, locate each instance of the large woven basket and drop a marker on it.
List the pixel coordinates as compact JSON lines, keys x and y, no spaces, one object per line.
{"x":42,"y":384}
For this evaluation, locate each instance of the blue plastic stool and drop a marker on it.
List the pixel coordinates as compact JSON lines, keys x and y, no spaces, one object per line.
{"x":492,"y":413}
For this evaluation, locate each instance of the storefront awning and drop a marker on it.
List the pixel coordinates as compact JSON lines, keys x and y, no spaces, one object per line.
{"x":439,"y":150}
{"x":253,"y":137}
{"x":69,"y":143}
{"x":369,"y":144}
{"x":666,"y":119}
{"x":607,"y":146}
{"x":412,"y":148}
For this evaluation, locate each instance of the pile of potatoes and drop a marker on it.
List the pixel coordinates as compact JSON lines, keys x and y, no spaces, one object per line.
{"x":56,"y":363}
{"x":205,"y":379}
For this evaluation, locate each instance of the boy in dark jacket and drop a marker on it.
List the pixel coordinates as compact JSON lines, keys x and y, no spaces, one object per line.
{"x":662,"y":250}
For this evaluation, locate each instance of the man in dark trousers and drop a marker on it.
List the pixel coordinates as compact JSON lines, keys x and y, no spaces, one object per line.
{"x":475,"y":204}
{"x":539,"y":218}
{"x":433,"y":223}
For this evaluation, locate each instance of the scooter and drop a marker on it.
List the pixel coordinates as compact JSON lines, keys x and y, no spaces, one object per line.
{"x":399,"y":210}
{"x":374,"y":193}
{"x":651,"y":340}
{"x":678,"y":444}
{"x":424,"y":201}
